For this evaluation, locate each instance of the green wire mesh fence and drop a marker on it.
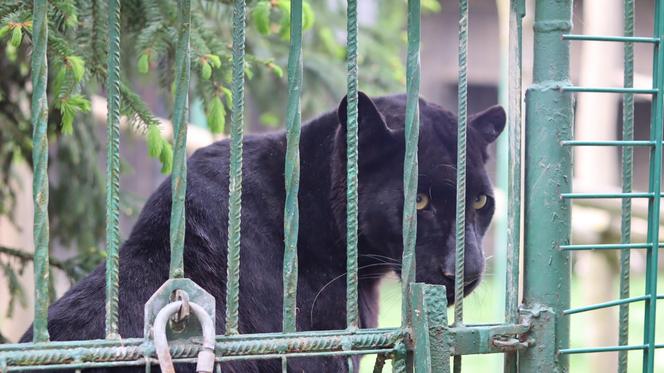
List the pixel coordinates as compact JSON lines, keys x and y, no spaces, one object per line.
{"x":425,"y":341}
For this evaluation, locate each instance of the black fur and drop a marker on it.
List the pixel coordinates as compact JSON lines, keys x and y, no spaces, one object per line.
{"x":144,"y":257}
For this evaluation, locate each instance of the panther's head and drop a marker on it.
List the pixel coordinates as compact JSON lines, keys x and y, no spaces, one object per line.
{"x":381,"y":153}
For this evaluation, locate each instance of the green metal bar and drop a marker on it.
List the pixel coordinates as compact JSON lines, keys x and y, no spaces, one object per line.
{"x":611,"y":246}
{"x":113,"y":170}
{"x":235,"y":179}
{"x":627,"y":171}
{"x":625,"y":143}
{"x":624,"y":39}
{"x":460,"y":226}
{"x":410,"y":172}
{"x":352,"y":313}
{"x":291,"y":211}
{"x":605,"y":195}
{"x":568,"y":351}
{"x":547,"y":176}
{"x":610,"y":90}
{"x":179,"y":176}
{"x":40,"y":167}
{"x":622,"y":301}
{"x":430,"y":335}
{"x":654,"y":187}
{"x":517,"y":13}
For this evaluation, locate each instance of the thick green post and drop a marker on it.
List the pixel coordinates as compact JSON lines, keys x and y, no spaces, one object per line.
{"x":430,"y":332}
{"x":547,"y":175}
{"x":654,"y":187}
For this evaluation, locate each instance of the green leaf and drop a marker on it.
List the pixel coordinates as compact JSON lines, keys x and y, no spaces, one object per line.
{"x":261,"y":17}
{"x":269,"y":120}
{"x":206,"y":71}
{"x":80,"y":102}
{"x":276,"y":69}
{"x":77,"y":66}
{"x":248,"y":72}
{"x":216,"y":116}
{"x":4,"y":30}
{"x":431,"y":6}
{"x":284,"y":29}
{"x":308,"y":16}
{"x":330,"y":43}
{"x":144,"y":63}
{"x":67,"y":113}
{"x":17,"y":37}
{"x":229,"y":96}
{"x":284,"y":5}
{"x":214,"y":60}
{"x":154,"y":140}
{"x":67,"y":119}
{"x":59,"y":81}
{"x":71,"y":21}
{"x":166,"y":158}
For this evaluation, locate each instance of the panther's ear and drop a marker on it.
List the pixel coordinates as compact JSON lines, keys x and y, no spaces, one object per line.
{"x":489,"y":123}
{"x":371,"y":124}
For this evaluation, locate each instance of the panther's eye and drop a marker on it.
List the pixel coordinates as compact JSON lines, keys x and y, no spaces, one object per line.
{"x":422,"y":201}
{"x":480,"y":201}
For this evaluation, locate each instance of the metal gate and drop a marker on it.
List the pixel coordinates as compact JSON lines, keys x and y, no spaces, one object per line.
{"x":535,"y":333}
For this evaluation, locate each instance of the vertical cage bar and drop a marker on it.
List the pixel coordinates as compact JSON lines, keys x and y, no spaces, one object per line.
{"x":460,"y":226}
{"x":410,"y":171}
{"x":352,"y":320}
{"x":292,"y":173}
{"x":292,"y":169}
{"x":235,"y":179}
{"x":113,"y":170}
{"x":40,"y":167}
{"x":549,"y":119}
{"x":627,"y":163}
{"x":654,"y":187}
{"x":179,"y":176}
{"x":517,"y":12}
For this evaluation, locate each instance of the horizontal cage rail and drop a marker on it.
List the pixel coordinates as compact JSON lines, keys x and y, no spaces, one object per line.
{"x":598,"y":306}
{"x":610,"y":90}
{"x":464,"y":340}
{"x":623,"y":39}
{"x":608,"y":143}
{"x":607,"y":195}
{"x":609,"y":246}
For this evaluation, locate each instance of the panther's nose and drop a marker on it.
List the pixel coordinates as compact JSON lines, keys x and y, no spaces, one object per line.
{"x":469,"y":279}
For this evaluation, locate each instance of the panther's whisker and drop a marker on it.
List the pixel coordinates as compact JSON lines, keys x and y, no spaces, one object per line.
{"x":313,"y":304}
{"x":377,"y":256}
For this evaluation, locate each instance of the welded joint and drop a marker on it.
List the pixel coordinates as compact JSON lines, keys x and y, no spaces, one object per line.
{"x":511,"y":343}
{"x":540,"y":319}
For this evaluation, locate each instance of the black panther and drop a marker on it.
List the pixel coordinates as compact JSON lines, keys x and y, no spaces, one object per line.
{"x":144,"y":257}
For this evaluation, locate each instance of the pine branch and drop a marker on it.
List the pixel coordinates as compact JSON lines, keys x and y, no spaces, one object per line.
{"x":29,"y":257}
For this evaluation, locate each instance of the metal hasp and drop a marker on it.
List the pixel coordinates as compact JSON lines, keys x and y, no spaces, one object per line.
{"x":189,"y":330}
{"x":547,"y":176}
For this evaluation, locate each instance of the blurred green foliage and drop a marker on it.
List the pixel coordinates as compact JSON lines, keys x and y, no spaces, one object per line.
{"x":78,"y":35}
